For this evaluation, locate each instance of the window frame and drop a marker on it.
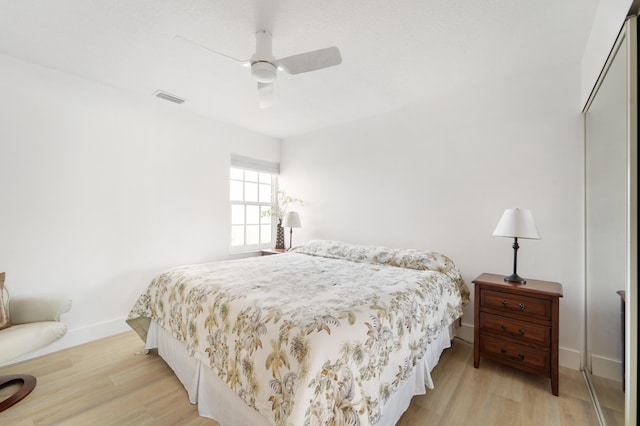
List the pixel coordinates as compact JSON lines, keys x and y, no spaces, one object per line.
{"x":259,"y":167}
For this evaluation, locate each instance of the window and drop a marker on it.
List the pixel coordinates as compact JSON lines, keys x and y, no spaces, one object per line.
{"x":252,"y":195}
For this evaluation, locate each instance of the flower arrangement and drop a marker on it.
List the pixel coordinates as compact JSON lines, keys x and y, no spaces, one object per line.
{"x":284,"y":201}
{"x":278,"y":211}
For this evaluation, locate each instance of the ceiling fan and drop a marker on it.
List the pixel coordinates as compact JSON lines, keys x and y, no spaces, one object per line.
{"x":264,"y":66}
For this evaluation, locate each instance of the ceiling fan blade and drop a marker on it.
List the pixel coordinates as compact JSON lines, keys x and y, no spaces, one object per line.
{"x":186,"y":40}
{"x":311,"y":61}
{"x":265,"y":94}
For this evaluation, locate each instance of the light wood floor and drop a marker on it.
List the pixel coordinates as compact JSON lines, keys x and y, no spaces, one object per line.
{"x":104,"y":383}
{"x":611,"y":399}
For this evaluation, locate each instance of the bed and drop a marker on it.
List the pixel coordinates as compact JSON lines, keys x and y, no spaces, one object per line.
{"x":329,"y":333}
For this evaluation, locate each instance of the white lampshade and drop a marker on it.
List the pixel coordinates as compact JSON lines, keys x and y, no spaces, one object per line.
{"x":292,"y":220}
{"x":517,"y":223}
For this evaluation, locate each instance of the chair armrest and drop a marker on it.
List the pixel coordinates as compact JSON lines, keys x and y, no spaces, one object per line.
{"x":25,"y":310}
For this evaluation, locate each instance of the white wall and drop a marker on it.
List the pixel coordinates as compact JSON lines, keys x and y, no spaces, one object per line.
{"x":606,"y":25}
{"x":438,"y":176}
{"x":101,"y":190}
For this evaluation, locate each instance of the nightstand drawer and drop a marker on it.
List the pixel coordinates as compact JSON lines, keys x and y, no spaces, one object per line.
{"x":516,"y":305}
{"x":520,"y":331}
{"x":514,"y":354}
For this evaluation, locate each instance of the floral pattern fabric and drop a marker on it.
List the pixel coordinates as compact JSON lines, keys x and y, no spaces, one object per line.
{"x":321,"y":335}
{"x":421,"y":260}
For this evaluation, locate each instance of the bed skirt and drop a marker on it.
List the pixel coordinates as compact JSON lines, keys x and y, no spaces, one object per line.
{"x":218,"y":402}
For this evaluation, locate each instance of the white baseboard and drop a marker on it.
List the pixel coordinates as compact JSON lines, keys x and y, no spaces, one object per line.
{"x":606,"y":367}
{"x":78,"y":336}
{"x":465,"y":332}
{"x":569,"y":358}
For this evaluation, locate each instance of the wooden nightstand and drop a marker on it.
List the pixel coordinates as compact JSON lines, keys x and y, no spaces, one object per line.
{"x":267,"y":252}
{"x":517,"y":324}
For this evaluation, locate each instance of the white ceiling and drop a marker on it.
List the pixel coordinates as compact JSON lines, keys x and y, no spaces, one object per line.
{"x":395,"y":52}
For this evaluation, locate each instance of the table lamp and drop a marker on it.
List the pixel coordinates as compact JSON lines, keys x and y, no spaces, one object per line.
{"x":516,"y":223}
{"x":291,"y":220}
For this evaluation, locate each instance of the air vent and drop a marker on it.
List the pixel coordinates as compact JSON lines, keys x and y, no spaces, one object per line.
{"x":168,"y":97}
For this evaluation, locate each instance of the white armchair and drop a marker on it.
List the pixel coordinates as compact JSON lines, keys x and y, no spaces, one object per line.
{"x":26,"y":324}
{"x":35,"y":323}
{"x":31,"y":323}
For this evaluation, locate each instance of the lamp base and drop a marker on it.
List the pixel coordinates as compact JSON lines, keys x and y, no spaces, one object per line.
{"x":515,"y":278}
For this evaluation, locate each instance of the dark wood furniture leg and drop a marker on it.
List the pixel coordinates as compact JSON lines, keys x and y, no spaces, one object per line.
{"x":476,"y":328}
{"x":555,"y":340}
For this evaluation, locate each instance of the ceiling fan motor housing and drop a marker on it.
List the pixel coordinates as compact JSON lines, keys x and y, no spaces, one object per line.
{"x":264,"y":71}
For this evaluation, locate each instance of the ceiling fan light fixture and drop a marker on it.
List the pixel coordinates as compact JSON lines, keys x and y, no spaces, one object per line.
{"x":264,"y":66}
{"x":263,"y":71}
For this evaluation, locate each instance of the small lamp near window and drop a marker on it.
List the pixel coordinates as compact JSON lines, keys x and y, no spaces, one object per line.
{"x":292,"y":220}
{"x":516,"y":223}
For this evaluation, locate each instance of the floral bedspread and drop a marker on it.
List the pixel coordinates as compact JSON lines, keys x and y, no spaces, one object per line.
{"x":320,"y":335}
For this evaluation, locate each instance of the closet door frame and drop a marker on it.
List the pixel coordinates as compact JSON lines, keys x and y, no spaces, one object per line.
{"x":629,"y":32}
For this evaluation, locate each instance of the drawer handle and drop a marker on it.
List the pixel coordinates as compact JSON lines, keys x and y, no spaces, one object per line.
{"x":520,"y":357}
{"x":519,"y":333}
{"x":520,"y":307}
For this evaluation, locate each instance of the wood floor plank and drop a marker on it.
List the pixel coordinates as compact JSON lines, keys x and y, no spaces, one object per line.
{"x":105,"y":383}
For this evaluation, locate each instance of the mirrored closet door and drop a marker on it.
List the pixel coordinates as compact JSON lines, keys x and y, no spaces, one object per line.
{"x":611,"y":234}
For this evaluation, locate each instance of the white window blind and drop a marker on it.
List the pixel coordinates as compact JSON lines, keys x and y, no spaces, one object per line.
{"x":248,"y":163}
